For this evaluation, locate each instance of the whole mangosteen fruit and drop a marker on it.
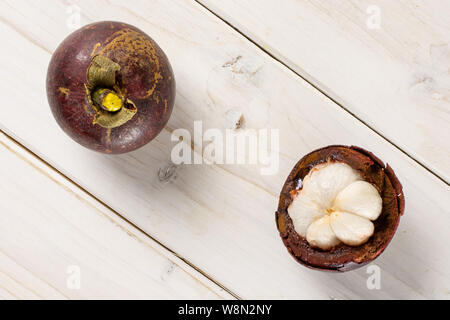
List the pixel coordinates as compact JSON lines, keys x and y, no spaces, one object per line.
{"x":339,"y":208}
{"x":110,"y":87}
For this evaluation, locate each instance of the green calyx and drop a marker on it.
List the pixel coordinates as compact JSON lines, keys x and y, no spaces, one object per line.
{"x":104,"y":94}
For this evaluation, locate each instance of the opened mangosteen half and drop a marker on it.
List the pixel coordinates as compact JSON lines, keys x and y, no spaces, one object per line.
{"x":110,"y":87}
{"x":339,"y":208}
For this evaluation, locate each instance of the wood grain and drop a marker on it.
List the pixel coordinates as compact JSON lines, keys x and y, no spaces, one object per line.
{"x":48,"y":227}
{"x":395,"y":78}
{"x":220,"y":217}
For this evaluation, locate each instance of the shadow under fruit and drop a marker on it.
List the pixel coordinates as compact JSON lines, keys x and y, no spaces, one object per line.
{"x":110,"y":87}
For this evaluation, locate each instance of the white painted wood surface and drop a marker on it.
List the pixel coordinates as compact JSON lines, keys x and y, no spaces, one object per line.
{"x":56,"y":242}
{"x":220,"y":218}
{"x":396,"y":78}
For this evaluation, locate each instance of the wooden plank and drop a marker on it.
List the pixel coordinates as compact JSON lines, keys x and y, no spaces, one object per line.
{"x":220,"y":217}
{"x":51,"y":232}
{"x":395,"y":78}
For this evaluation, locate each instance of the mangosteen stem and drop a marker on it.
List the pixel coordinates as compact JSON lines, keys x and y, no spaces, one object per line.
{"x":103,"y":92}
{"x":107,"y":99}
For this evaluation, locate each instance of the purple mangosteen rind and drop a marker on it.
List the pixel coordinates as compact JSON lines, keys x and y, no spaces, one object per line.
{"x":143,"y":85}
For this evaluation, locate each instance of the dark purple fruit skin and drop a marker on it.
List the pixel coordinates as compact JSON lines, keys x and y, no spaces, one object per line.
{"x":146,"y":75}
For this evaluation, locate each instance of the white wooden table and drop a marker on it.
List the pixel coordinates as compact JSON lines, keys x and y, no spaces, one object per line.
{"x":77,"y":224}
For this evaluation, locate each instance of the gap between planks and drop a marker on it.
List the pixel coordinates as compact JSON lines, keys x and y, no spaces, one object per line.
{"x":120,"y":216}
{"x":322,"y":91}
